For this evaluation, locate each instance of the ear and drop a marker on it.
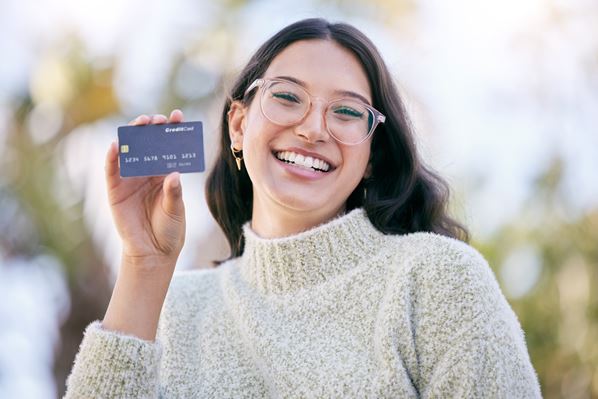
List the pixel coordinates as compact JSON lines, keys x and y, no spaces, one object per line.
{"x":237,"y":115}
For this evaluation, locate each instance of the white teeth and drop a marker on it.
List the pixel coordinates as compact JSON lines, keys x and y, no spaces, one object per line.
{"x":298,"y":159}
{"x":309,"y":162}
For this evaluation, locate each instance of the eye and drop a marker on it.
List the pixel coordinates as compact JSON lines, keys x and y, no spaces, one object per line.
{"x":348,"y":111}
{"x":286,"y":97}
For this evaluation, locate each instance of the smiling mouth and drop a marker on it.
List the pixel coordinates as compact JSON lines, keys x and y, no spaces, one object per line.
{"x":303,"y":161}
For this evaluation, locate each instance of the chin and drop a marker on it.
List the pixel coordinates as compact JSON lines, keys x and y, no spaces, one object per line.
{"x":301,"y":204}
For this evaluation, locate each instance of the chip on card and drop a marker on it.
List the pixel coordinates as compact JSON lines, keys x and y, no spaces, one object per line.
{"x":156,"y":150}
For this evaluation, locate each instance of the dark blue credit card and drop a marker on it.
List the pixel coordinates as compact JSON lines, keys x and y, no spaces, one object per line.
{"x":156,"y":150}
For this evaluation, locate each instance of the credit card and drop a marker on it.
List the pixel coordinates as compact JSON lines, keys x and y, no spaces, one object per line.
{"x":156,"y":150}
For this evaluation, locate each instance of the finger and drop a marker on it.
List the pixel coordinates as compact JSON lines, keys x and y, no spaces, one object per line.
{"x":140,"y":120}
{"x":173,"y":196}
{"x":111,"y":168}
{"x":159,"y":119}
{"x":157,"y":180}
{"x":176,"y":116}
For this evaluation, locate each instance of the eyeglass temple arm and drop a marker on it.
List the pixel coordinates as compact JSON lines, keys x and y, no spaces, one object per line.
{"x":256,"y":83}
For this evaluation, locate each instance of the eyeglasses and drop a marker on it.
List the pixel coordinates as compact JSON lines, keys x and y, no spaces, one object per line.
{"x":349,"y":121}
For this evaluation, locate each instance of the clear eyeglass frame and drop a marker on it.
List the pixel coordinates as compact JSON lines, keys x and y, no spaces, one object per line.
{"x":262,"y":84}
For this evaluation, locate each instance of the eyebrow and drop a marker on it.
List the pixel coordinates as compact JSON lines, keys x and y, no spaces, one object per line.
{"x":346,"y":93}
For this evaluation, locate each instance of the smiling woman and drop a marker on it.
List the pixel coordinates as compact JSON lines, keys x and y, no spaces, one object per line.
{"x":346,"y":278}
{"x":289,"y":197}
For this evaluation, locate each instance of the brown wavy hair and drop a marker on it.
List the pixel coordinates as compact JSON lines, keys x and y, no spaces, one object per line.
{"x":400,"y":196}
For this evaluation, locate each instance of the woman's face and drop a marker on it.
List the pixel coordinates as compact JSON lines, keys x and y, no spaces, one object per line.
{"x":327,"y":71}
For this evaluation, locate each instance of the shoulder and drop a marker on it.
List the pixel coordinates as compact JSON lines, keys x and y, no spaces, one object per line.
{"x":193,"y":289}
{"x":183,"y":279}
{"x":428,"y":254}
{"x":192,"y":296}
{"x":435,"y":247}
{"x":436,"y":271}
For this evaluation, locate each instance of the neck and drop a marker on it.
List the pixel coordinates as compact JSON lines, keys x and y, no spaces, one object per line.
{"x":275,"y":221}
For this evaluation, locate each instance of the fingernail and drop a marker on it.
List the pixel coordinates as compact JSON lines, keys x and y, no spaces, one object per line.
{"x":176,"y":181}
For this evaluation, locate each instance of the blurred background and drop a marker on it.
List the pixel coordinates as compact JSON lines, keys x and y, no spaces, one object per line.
{"x":503,"y":95}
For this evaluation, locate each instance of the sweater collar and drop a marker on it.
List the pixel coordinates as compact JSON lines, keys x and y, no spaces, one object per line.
{"x":279,"y":265}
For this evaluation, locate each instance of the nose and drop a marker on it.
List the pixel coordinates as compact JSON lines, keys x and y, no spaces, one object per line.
{"x":313,"y":125}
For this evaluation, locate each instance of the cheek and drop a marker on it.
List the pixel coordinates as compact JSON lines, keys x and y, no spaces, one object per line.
{"x":252,"y":154}
{"x":358,"y":162}
{"x":258,"y":131}
{"x":256,"y":148}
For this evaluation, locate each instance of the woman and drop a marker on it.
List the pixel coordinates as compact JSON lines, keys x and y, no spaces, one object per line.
{"x":346,"y":278}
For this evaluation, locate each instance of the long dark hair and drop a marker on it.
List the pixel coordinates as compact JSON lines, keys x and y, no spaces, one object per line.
{"x":401,"y":195}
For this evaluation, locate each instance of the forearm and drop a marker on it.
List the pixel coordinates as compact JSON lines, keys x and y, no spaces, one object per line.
{"x":137,"y":299}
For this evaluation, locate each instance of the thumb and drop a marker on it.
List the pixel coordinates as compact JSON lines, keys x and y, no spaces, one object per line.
{"x":173,"y":195}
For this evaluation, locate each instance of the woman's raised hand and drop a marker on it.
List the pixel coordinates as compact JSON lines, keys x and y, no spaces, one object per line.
{"x":148,"y":211}
{"x":150,"y":217}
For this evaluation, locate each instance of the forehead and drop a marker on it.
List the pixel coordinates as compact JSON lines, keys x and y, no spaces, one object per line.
{"x":324,"y":65}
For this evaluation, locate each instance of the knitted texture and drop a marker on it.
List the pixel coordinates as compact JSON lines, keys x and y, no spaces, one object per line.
{"x":338,"y":311}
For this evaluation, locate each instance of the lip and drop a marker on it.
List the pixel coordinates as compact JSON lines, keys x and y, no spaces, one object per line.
{"x":306,"y":153}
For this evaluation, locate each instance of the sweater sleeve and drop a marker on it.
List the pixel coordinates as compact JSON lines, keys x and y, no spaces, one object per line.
{"x":113,"y":365}
{"x":469,"y":340}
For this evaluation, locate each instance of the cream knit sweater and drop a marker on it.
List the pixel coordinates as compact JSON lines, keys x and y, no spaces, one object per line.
{"x":339,"y":311}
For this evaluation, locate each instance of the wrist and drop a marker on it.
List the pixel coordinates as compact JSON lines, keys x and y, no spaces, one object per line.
{"x":148,"y":265}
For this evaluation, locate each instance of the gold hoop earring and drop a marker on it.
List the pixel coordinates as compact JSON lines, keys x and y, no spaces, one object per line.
{"x":238,"y":159}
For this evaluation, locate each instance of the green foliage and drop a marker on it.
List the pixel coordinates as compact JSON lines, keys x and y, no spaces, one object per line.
{"x":559,"y":314}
